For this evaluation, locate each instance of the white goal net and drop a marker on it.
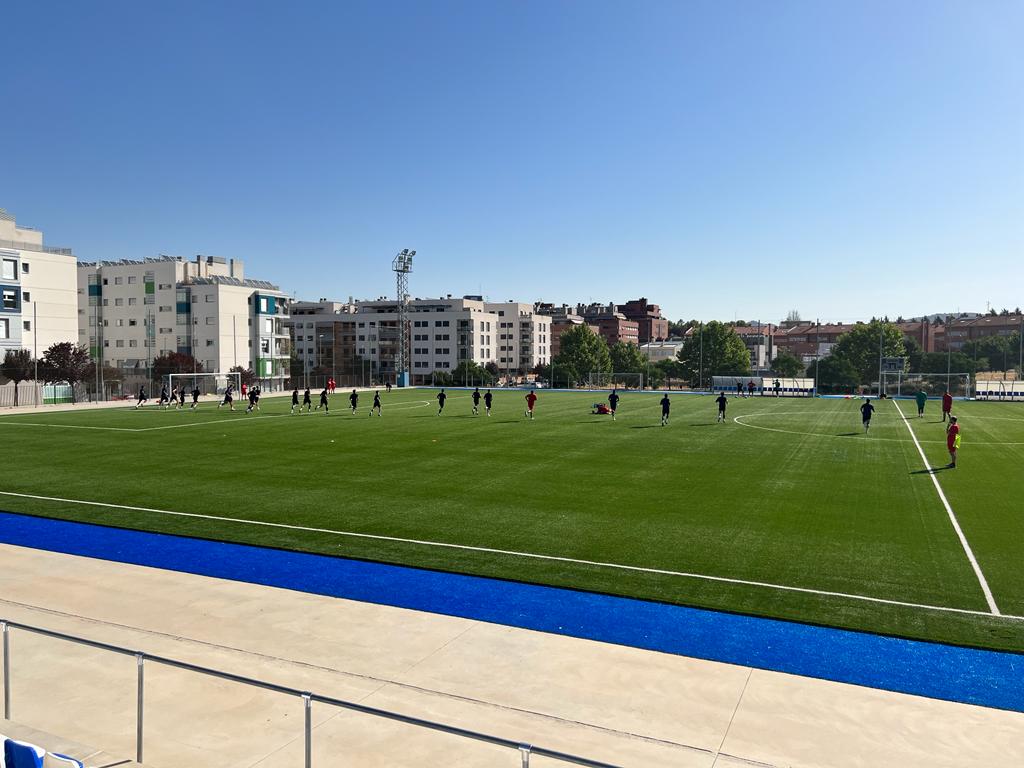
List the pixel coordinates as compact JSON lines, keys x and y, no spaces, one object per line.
{"x":898,"y":383}
{"x":207,"y":383}
{"x":615,"y":380}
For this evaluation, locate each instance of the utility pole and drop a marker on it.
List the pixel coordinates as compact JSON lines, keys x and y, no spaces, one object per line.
{"x":881,"y":336}
{"x":700,"y":375}
{"x":817,"y":354}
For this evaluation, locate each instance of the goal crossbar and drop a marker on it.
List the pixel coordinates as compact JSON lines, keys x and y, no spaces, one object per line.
{"x":900,"y":383}
{"x":207,"y":383}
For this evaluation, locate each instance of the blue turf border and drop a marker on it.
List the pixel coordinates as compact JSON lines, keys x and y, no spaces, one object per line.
{"x":988,"y":678}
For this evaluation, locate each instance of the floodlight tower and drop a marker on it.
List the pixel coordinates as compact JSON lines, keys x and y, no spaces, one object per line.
{"x":402,"y":266}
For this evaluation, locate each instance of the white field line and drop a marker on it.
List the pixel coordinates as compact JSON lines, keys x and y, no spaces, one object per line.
{"x":398,"y":406}
{"x":6,"y":423}
{"x":531,"y":555}
{"x":952,"y":518}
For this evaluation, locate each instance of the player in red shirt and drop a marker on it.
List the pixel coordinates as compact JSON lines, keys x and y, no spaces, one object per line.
{"x":947,"y":404}
{"x":952,"y":440}
{"x":531,"y":400}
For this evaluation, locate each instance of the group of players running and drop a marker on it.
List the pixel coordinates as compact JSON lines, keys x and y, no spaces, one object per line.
{"x":177,"y":399}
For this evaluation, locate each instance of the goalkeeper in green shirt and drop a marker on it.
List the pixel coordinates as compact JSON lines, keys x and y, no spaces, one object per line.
{"x":921,"y":398}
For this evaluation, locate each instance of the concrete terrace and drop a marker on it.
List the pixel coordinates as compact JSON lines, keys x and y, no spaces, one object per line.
{"x":621,"y":705}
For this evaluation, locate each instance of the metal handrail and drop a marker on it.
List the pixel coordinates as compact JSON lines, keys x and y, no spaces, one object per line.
{"x":307,"y":697}
{"x":19,"y":245}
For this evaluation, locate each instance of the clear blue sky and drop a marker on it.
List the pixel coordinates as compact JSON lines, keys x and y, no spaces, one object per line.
{"x":720,"y":158}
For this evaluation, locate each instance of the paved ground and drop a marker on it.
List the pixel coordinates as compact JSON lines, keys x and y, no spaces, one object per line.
{"x":621,"y":705}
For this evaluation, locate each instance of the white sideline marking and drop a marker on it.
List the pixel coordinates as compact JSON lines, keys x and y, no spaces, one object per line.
{"x":952,"y":518}
{"x":7,"y":423}
{"x":512,"y":553}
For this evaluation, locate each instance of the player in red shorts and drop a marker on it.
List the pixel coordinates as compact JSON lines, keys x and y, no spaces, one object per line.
{"x":531,"y":400}
{"x":947,"y":404}
{"x":952,"y":440}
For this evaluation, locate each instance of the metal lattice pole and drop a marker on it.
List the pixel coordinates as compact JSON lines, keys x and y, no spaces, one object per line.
{"x":402,"y":266}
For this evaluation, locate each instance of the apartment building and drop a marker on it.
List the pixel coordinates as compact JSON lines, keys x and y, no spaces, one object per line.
{"x":760,"y":342}
{"x":360,"y":338}
{"x":324,"y":338}
{"x":563,"y":318}
{"x":132,"y":311}
{"x":806,"y":341}
{"x":612,"y":325}
{"x":38,"y":290}
{"x":651,"y":326}
{"x":962,"y":330}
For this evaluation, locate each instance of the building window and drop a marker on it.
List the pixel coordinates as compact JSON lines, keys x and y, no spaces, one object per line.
{"x":132,"y":302}
{"x":24,"y":267}
{"x":9,"y":269}
{"x":119,"y":343}
{"x":26,"y":296}
{"x":118,"y":280}
{"x":209,"y":298}
{"x":118,"y":302}
{"x":5,"y":328}
{"x":133,"y":342}
{"x":131,"y":279}
{"x":209,"y":342}
{"x":211,"y":321}
{"x":165,"y":309}
{"x":10,"y":298}
{"x":165,"y":286}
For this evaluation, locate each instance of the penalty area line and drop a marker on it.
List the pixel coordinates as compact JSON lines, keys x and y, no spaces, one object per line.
{"x":513,"y":553}
{"x":993,"y":608}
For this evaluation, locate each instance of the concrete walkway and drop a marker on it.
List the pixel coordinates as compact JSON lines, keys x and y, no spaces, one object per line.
{"x":621,"y":705}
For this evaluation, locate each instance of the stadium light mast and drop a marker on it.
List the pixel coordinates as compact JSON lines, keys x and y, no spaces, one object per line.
{"x":401,"y":265}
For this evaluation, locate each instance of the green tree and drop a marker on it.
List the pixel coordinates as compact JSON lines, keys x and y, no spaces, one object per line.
{"x":991,"y":353}
{"x":724,"y":354}
{"x":441,"y":378}
{"x":787,"y":365}
{"x":627,"y":358}
{"x":65,"y":361}
{"x":469,"y":373}
{"x":582,"y":352}
{"x":176,"y":362}
{"x":678,"y":329}
{"x":246,"y":376}
{"x":860,"y":347}
{"x":836,"y":375}
{"x":940,"y":362}
{"x":18,"y":366}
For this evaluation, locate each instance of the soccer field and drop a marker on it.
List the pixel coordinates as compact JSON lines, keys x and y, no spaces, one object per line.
{"x":786,"y":510}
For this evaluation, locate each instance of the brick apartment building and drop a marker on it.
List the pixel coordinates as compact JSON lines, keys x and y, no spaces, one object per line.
{"x":651,"y":326}
{"x":958,"y":332}
{"x":809,"y":340}
{"x":611,"y":324}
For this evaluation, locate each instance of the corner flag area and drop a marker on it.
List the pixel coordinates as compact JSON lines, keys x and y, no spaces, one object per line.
{"x":787,"y":509}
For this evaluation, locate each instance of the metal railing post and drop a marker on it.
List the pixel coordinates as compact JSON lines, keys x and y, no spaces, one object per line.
{"x":524,"y":751}
{"x":7,"y":671}
{"x":307,"y":702}
{"x":140,"y":662}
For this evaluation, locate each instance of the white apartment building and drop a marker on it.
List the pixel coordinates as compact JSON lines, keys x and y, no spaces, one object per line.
{"x":130,"y":312}
{"x":38,"y":298}
{"x":360,"y":339}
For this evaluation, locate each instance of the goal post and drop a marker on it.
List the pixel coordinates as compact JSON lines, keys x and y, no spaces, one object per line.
{"x":597,"y":380}
{"x":900,"y":384}
{"x":207,"y":383}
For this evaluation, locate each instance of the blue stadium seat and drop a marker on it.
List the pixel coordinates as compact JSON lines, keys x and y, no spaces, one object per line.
{"x":18,"y":754}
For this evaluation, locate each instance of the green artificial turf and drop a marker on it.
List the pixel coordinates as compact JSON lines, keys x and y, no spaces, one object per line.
{"x":795,"y":495}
